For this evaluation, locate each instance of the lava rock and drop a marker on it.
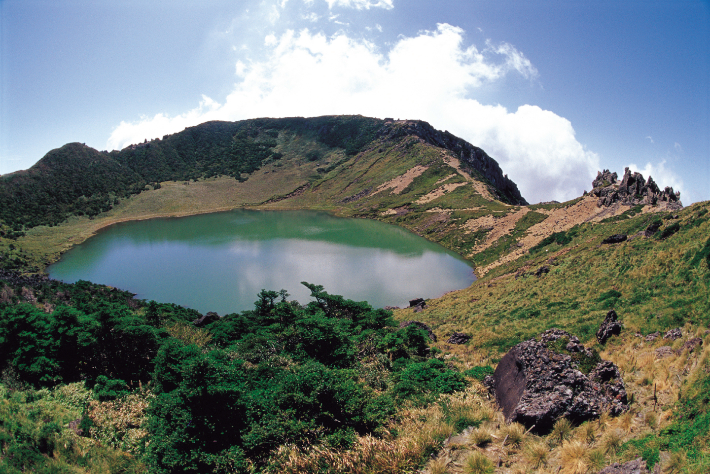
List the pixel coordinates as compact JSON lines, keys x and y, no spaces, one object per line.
{"x":691,"y":344}
{"x":535,"y":386}
{"x":652,"y":229}
{"x":416,"y":302}
{"x":420,"y":325}
{"x":542,"y":270}
{"x":458,"y":338}
{"x":663,"y":352}
{"x":652,"y":337}
{"x":609,"y":327}
{"x":614,"y":239}
{"x":673,"y":334}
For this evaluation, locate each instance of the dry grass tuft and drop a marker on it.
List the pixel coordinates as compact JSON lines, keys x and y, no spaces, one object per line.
{"x":596,"y":459}
{"x":438,"y":465}
{"x":651,"y":420}
{"x":573,"y":457}
{"x":561,"y":431}
{"x":611,"y":441}
{"x":536,"y":454}
{"x":587,"y":433}
{"x":478,"y":463}
{"x":514,"y":434}
{"x":480,"y":436}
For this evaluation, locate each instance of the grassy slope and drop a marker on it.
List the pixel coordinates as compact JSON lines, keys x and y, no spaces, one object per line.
{"x":654,"y":285}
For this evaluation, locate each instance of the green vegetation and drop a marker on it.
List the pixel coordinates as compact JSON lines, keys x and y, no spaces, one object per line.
{"x":282,"y":374}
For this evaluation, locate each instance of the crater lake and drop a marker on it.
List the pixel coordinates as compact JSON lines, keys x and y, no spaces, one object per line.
{"x":221,"y":261}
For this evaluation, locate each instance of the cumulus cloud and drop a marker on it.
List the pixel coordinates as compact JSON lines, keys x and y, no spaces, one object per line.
{"x":432,"y":76}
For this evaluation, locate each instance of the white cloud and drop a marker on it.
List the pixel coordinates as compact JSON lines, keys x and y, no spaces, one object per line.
{"x":361,"y":4}
{"x":432,"y":76}
{"x":650,"y":138}
{"x":677,"y":147}
{"x":515,"y":59}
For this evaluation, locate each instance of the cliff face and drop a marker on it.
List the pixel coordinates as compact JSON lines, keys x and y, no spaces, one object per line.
{"x":472,"y":157}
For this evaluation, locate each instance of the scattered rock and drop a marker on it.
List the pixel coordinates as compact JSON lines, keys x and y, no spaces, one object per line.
{"x":652,"y":336}
{"x":542,"y":270}
{"x":663,"y":352}
{"x":637,"y":466}
{"x":691,"y":344}
{"x":390,"y":308}
{"x":535,"y":386}
{"x":458,"y":338}
{"x":609,"y":327}
{"x":421,"y":325}
{"x":614,"y":239}
{"x":673,"y":334}
{"x":206,"y":319}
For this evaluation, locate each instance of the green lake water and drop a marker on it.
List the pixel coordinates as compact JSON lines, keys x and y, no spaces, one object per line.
{"x":219,"y":262}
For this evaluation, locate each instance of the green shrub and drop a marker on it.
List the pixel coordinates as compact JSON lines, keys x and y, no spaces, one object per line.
{"x":430,"y":378}
{"x":479,"y":372}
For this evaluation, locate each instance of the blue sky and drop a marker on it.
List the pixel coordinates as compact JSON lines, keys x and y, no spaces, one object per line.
{"x":553,"y":90}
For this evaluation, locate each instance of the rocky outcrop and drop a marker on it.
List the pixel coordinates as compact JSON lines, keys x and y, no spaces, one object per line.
{"x":458,"y":338}
{"x":632,"y":190}
{"x":609,"y":327}
{"x":420,"y":325}
{"x":470,"y":156}
{"x":540,"y":381}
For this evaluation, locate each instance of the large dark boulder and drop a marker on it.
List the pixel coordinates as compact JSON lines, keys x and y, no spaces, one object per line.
{"x":540,"y":381}
{"x":609,"y":327}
